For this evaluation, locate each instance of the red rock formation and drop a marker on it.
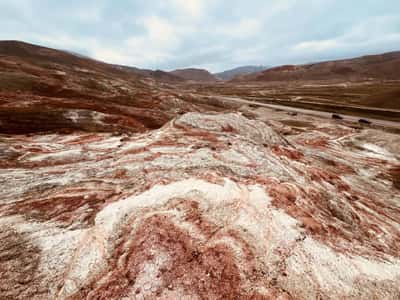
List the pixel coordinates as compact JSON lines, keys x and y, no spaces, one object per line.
{"x":195,"y":210}
{"x":43,"y":89}
{"x":110,"y":190}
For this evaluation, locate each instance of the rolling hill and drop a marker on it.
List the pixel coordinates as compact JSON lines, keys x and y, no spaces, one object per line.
{"x":382,"y":66}
{"x":239,"y":71}
{"x":192,"y":74}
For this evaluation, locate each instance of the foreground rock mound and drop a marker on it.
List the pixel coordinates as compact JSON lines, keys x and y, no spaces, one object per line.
{"x":210,"y":206}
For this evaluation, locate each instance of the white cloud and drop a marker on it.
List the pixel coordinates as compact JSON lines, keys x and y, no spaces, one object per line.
{"x":278,"y":6}
{"x":158,"y":42}
{"x":214,"y":33}
{"x":94,"y":14}
{"x":94,"y":47}
{"x":160,"y":32}
{"x":63,"y":41}
{"x":111,"y":55}
{"x":190,"y":8}
{"x":316,"y":46}
{"x":369,"y":34}
{"x":154,"y":45}
{"x":245,"y":28}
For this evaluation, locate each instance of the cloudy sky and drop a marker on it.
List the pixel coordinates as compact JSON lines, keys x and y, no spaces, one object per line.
{"x":212,"y":34}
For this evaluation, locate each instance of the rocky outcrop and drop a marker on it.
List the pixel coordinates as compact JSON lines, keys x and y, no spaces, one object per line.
{"x":115,"y":186}
{"x":209,"y":206}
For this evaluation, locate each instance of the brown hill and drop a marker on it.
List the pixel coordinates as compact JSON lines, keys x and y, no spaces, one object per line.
{"x":52,"y":58}
{"x":240,"y":71}
{"x":43,"y":89}
{"x":28,"y":57}
{"x":158,"y":75}
{"x":383,"y":66}
{"x":195,"y":75}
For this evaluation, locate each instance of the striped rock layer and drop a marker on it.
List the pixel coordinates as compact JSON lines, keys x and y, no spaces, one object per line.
{"x":209,"y":206}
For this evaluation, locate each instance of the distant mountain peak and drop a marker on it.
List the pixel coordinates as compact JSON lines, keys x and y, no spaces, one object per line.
{"x":195,"y":74}
{"x":240,"y":71}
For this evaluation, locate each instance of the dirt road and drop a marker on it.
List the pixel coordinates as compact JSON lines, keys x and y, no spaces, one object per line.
{"x":318,"y":113}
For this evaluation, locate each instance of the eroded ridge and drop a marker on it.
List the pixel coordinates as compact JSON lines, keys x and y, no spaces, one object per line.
{"x":210,"y":206}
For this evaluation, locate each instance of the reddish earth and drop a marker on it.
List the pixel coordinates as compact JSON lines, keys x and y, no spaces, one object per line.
{"x":383,"y":66}
{"x":239,"y":71}
{"x":198,"y":75}
{"x":128,"y":188}
{"x":43,"y":89}
{"x":159,"y":75}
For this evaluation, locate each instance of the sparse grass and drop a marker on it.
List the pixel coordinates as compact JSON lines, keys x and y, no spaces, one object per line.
{"x":11,"y":82}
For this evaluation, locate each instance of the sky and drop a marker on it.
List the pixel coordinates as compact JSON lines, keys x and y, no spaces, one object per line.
{"x":211,"y":34}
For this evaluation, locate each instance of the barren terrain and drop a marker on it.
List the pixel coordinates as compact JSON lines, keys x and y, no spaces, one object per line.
{"x":379,"y":99}
{"x":120,"y":185}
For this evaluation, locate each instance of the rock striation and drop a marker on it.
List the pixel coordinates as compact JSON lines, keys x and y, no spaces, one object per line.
{"x":208,"y":206}
{"x":116,"y":185}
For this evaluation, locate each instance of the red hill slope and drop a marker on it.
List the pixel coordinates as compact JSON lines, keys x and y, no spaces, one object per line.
{"x":383,"y":66}
{"x":43,"y":89}
{"x":195,"y":75}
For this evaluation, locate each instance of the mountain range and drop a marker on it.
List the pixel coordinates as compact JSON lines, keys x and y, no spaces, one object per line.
{"x":193,"y":74}
{"x":381,"y":66}
{"x":239,"y":71}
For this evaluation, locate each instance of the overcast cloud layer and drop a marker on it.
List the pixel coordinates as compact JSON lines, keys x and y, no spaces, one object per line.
{"x":211,"y":34}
